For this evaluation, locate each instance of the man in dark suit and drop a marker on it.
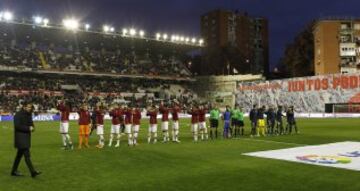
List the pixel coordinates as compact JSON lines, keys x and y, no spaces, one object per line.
{"x":24,"y":126}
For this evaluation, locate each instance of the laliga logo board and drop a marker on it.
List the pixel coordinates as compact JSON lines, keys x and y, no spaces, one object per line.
{"x":351,"y":154}
{"x":343,"y":158}
{"x":345,"y":155}
{"x":325,"y":159}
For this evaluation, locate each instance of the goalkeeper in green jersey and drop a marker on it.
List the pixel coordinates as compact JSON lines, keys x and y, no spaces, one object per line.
{"x":238,"y":117}
{"x":214,"y":122}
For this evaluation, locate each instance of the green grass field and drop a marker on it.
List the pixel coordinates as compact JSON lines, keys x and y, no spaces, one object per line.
{"x":210,"y":165}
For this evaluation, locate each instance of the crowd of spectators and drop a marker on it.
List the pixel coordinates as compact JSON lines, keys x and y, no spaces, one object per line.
{"x":45,"y":92}
{"x":31,"y":49}
{"x":53,"y":50}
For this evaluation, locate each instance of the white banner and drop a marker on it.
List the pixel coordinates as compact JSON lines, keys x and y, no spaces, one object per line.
{"x":344,"y":155}
{"x":306,"y":94}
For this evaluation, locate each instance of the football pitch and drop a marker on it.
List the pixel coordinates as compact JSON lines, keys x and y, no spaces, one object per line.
{"x":208,"y":165}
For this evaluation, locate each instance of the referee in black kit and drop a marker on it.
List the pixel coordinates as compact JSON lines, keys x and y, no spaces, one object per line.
{"x":23,"y":126}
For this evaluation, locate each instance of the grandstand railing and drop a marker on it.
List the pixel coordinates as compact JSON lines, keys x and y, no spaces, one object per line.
{"x":97,"y":74}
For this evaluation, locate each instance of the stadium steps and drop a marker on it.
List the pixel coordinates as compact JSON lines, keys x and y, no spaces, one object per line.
{"x":44,"y":64}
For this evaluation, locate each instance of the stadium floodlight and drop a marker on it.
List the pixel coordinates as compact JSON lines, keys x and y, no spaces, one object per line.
{"x":173,"y":37}
{"x":182,"y":39}
{"x":112,"y":29}
{"x":132,"y":32}
{"x":193,"y":40}
{"x":187,"y":39}
{"x":45,"y":21}
{"x":106,"y":28}
{"x":177,"y":38}
{"x":158,"y":35}
{"x":201,"y":42}
{"x":38,"y":20}
{"x":6,"y":16}
{"x":71,"y":24}
{"x":165,"y":36}
{"x":87,"y":26}
{"x":141,"y":33}
{"x":125,"y":31}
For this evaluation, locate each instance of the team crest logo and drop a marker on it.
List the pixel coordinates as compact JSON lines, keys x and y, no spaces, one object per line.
{"x":351,"y":154}
{"x":324,"y":159}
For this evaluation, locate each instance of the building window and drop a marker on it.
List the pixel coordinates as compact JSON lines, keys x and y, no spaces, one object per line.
{"x":357,"y":26}
{"x":345,"y":25}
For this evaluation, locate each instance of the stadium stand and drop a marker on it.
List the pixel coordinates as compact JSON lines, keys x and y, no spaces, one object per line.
{"x":44,"y":65}
{"x":55,"y":49}
{"x":45,"y":91}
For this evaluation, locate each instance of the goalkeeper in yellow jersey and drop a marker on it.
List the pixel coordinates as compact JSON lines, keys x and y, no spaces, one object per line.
{"x":261,"y":121}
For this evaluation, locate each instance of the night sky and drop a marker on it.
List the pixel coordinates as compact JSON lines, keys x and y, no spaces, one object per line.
{"x":286,"y":17}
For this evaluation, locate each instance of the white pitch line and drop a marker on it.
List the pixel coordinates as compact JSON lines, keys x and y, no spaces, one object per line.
{"x":269,"y":141}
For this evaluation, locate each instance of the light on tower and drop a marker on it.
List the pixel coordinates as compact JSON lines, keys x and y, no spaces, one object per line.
{"x":71,"y":24}
{"x":45,"y":22}
{"x":6,"y":16}
{"x":158,"y":35}
{"x":38,"y":20}
{"x":141,"y":33}
{"x":106,"y":28}
{"x":165,"y":36}
{"x":87,"y":26}
{"x":112,"y":29}
{"x":193,"y":40}
{"x":132,"y":32}
{"x":125,"y":31}
{"x":201,"y":42}
{"x":187,"y":39}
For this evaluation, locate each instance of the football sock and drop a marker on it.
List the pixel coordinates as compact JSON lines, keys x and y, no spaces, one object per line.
{"x":68,"y":139}
{"x":87,"y":140}
{"x":130,"y":142}
{"x":63,"y":139}
{"x":118,"y":139}
{"x":195,"y":136}
{"x":111,"y":139}
{"x":155,"y":137}
{"x":135,"y":137}
{"x":173,"y":134}
{"x":167,"y":136}
{"x":149,"y":137}
{"x":206,"y":133}
{"x":176,"y":134}
{"x":80,"y":140}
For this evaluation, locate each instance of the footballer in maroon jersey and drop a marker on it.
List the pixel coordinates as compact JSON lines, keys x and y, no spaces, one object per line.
{"x":99,"y":119}
{"x":164,"y":110}
{"x":202,"y":122}
{"x":115,"y":113}
{"x":175,"y":110}
{"x":65,"y":108}
{"x":194,"y":112}
{"x":152,"y":113}
{"x":136,"y":123}
{"x":127,"y":111}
